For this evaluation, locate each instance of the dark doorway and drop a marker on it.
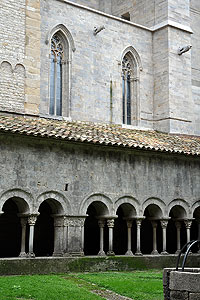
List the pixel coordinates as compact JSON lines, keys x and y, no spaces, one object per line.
{"x":10,"y":230}
{"x":44,"y":231}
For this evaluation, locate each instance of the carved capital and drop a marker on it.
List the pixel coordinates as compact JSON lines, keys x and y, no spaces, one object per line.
{"x":178,"y":225}
{"x":129,"y":223}
{"x":59,"y":221}
{"x":75,"y":222}
{"x":139,"y":222}
{"x":164,"y":224}
{"x":32,"y":220}
{"x":101,"y":223}
{"x":111,"y":223}
{"x":188,"y":224}
{"x":154,"y":224}
{"x":23,"y":222}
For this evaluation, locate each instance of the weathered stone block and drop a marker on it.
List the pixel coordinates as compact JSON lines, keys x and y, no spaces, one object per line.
{"x":177,"y":295}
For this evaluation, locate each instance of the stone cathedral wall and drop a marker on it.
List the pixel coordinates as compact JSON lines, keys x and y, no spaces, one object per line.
{"x":96,"y":62}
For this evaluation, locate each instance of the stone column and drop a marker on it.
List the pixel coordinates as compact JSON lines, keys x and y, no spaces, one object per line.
{"x":138,"y":223}
{"x":76,"y":235}
{"x":65,"y":237}
{"x":101,"y":226}
{"x":188,"y":224}
{"x":178,"y":234}
{"x":111,"y":224}
{"x":23,"y":238}
{"x":129,"y":226}
{"x":164,"y":227}
{"x":31,"y":221}
{"x":154,"y":225}
{"x":58,"y":235}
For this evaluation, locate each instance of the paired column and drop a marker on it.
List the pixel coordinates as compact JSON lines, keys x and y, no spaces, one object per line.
{"x":164,"y":228}
{"x":31,"y":221}
{"x":154,"y":225}
{"x":23,"y":221}
{"x":129,"y":226}
{"x":110,"y":224}
{"x":101,"y":227}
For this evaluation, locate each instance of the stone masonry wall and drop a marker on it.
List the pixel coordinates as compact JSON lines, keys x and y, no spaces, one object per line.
{"x":181,"y":285}
{"x":195,"y":41}
{"x":35,"y":166}
{"x":20,"y":56}
{"x":12,"y":53}
{"x":91,"y":3}
{"x":96,"y":63}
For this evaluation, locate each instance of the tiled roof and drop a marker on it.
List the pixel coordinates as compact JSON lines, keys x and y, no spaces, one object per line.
{"x":101,"y":134}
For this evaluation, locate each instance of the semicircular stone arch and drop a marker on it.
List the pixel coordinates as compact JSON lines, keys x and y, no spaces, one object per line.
{"x":195,"y":206}
{"x":23,"y":199}
{"x":180,"y":203}
{"x":60,"y":203}
{"x":154,"y":201}
{"x":96,"y":198}
{"x":127,"y":200}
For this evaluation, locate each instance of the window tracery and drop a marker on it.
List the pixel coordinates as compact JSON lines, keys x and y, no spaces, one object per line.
{"x":56,"y":75}
{"x":127,"y":76}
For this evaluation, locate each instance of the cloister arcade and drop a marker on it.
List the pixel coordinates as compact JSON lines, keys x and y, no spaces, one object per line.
{"x":101,"y":227}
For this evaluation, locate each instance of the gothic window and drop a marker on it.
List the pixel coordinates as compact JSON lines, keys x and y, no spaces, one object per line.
{"x":131,"y":66}
{"x":56,"y":75}
{"x":127,"y":74}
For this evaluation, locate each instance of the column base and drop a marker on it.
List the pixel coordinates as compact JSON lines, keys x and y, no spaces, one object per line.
{"x":76,"y":254}
{"x":164,"y":253}
{"x":22,"y":254}
{"x":154,"y":252}
{"x":101,"y":253}
{"x":129,"y":253}
{"x":66,"y":254}
{"x":57,"y":254}
{"x":139,"y":253}
{"x":30,"y":255}
{"x":111,"y":253}
{"x":177,"y":251}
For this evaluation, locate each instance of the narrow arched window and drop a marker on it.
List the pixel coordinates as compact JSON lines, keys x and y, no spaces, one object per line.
{"x":56,"y":75}
{"x":131,"y":67}
{"x":127,"y":77}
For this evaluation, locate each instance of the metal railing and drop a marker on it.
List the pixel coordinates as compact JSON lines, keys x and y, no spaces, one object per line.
{"x":188,"y":247}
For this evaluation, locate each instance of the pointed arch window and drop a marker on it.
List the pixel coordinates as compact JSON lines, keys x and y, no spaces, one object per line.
{"x":126,"y":89}
{"x":130,"y":88}
{"x":56,"y":75}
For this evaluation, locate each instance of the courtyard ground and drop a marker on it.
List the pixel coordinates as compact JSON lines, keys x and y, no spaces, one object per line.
{"x":137,"y":285}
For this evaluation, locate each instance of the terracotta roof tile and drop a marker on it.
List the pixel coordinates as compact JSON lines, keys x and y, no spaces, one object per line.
{"x":102,"y":134}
